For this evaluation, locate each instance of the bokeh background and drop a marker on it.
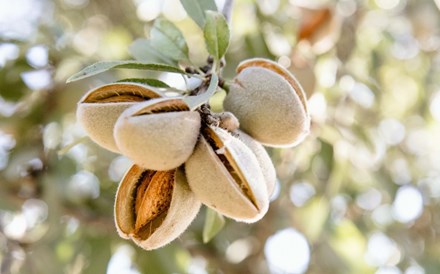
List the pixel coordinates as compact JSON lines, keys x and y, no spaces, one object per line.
{"x":360,"y":195}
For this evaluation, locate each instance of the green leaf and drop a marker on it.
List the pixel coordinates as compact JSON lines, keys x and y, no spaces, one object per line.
{"x":147,"y":81}
{"x":196,"y":9}
{"x":142,"y":50}
{"x":214,"y":223}
{"x":107,"y":65}
{"x":317,"y":207}
{"x":216,"y":33}
{"x":166,"y":44}
{"x":327,"y":157}
{"x":198,"y":100}
{"x":166,"y":38}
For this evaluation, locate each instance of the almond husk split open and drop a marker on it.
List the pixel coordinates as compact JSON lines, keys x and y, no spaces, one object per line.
{"x":99,"y":109}
{"x":154,"y":207}
{"x":159,"y":134}
{"x":225,"y":175}
{"x":263,"y":158}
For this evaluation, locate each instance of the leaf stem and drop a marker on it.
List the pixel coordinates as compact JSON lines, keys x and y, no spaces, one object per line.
{"x":216,"y":67}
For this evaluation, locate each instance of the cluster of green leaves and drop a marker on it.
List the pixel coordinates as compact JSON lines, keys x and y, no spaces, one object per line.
{"x":166,"y":48}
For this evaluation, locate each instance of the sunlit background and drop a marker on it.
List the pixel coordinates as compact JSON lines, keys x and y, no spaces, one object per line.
{"x":360,"y":195}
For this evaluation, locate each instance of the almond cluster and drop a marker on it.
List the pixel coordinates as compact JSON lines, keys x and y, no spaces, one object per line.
{"x":181,"y":161}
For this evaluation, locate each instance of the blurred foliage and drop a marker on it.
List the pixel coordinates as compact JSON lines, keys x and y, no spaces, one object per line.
{"x":363,"y":188}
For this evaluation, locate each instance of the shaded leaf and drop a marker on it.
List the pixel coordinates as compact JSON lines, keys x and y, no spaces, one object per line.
{"x":363,"y":136}
{"x":327,"y":157}
{"x":171,"y":258}
{"x":167,"y":38}
{"x":256,"y":45}
{"x":317,"y":207}
{"x":214,"y":223}
{"x":147,"y":81}
{"x":350,"y":243}
{"x":142,"y":50}
{"x":107,"y":65}
{"x":196,"y":9}
{"x":216,"y":32}
{"x":100,"y":253}
{"x":198,"y":100}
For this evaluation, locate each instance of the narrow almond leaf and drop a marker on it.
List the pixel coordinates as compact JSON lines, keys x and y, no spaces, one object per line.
{"x":142,"y":50}
{"x":147,"y":81}
{"x":216,"y":32}
{"x":166,"y":38}
{"x":214,"y":223}
{"x":327,"y":157}
{"x":107,"y":65}
{"x":197,"y":100}
{"x":196,"y":9}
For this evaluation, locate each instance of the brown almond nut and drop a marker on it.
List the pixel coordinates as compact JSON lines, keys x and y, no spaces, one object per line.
{"x":99,"y":109}
{"x":225,"y":175}
{"x":263,"y":158}
{"x":269,"y":103}
{"x":159,"y":134}
{"x":154,"y":207}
